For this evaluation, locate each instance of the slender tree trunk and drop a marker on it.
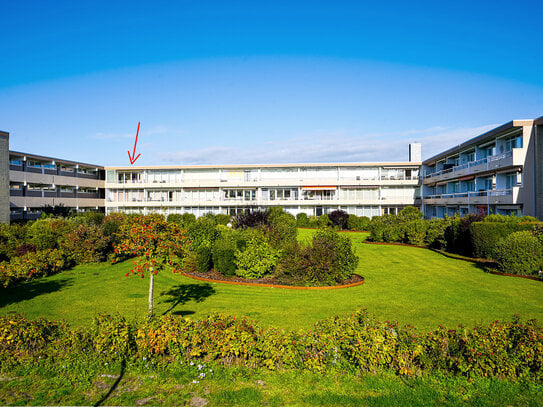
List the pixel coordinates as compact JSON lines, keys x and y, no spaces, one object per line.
{"x":151,"y":280}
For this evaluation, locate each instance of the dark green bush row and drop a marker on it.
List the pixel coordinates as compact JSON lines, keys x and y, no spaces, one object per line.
{"x":486,"y":235}
{"x":408,"y":227}
{"x":354,"y":343}
{"x":338,"y":218}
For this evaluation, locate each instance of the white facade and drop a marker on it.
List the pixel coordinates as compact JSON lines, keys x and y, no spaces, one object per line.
{"x":364,"y":189}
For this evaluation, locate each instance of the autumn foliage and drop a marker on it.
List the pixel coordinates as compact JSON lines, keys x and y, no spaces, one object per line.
{"x":154,"y":243}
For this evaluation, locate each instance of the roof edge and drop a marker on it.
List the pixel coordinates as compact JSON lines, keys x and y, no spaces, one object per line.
{"x":504,"y":127}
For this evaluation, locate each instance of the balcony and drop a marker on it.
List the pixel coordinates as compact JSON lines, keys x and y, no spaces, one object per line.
{"x":509,"y":159}
{"x":490,"y":197}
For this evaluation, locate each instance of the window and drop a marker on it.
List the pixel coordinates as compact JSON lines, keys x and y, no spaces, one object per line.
{"x":510,"y":180}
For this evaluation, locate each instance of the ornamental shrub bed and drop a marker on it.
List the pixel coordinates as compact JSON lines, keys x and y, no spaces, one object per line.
{"x":358,"y":342}
{"x":32,"y":265}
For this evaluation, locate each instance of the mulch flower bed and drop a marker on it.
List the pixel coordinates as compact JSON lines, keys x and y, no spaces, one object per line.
{"x":215,"y":276}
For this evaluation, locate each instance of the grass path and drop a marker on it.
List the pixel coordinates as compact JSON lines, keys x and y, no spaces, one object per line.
{"x":407,"y":284}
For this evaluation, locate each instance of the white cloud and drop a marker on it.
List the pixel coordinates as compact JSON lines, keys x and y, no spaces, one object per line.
{"x":153,"y":131}
{"x":333,"y":147}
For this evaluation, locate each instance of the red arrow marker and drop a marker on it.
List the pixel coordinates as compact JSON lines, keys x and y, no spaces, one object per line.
{"x":132,"y":158}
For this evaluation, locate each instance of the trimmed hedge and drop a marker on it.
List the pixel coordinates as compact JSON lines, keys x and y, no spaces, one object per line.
{"x":486,"y":235}
{"x":520,"y":253}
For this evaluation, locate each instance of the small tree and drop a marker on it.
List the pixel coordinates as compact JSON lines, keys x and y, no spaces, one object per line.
{"x":158,"y":245}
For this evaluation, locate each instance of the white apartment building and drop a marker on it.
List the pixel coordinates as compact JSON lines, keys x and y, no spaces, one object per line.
{"x":500,"y":171}
{"x":363,"y":189}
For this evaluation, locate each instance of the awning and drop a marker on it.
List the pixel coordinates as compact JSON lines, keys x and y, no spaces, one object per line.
{"x":319,"y":188}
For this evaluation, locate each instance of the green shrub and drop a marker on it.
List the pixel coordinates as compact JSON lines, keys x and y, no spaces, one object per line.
{"x":486,"y":235}
{"x":520,"y":253}
{"x":111,"y":226}
{"x":86,"y":244}
{"x":435,"y":233}
{"x":19,"y":335}
{"x":302,"y":220}
{"x":112,"y":337}
{"x":313,"y":222}
{"x":410,"y":213}
{"x":359,"y":223}
{"x":258,"y":259}
{"x":328,"y":260}
{"x":282,"y":227}
{"x":224,"y":255}
{"x":202,"y":232}
{"x":342,"y":256}
{"x":32,"y":265}
{"x":11,"y":237}
{"x":222,"y":219}
{"x":47,"y":233}
{"x":386,"y":228}
{"x":509,"y":218}
{"x":357,"y":343}
{"x":415,"y":231}
{"x":323,"y":221}
{"x":187,"y":219}
{"x":393,"y":232}
{"x":458,"y":234}
{"x":203,"y":258}
{"x":88,"y":218}
{"x":175,"y":218}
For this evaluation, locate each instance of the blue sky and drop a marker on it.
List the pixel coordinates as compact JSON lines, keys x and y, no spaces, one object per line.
{"x":256,"y":82}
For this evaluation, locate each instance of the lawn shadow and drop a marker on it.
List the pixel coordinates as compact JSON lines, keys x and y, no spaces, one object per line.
{"x":114,"y":386}
{"x":183,"y":293}
{"x":31,"y":289}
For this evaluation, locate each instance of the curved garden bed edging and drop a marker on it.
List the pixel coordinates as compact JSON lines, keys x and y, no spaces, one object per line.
{"x":289,"y":287}
{"x":499,"y":273}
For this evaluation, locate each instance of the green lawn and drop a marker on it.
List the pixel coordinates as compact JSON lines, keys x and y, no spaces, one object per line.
{"x":83,"y":382}
{"x":407,"y":284}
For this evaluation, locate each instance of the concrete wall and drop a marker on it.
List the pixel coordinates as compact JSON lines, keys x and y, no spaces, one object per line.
{"x":4,"y":177}
{"x":527,"y":192}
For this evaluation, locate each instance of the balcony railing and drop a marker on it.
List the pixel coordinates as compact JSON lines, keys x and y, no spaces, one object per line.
{"x":471,"y":164}
{"x":472,"y":194}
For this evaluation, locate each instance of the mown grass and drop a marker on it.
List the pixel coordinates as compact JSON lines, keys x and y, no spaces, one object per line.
{"x":91,"y":383}
{"x":410,"y":285}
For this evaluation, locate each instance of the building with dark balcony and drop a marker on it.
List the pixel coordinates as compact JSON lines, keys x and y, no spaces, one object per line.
{"x":36,"y":181}
{"x":497,"y":172}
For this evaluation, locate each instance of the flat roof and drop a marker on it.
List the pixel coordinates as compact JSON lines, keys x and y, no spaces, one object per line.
{"x":400,"y":164}
{"x":482,"y":137}
{"x":43,"y":157}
